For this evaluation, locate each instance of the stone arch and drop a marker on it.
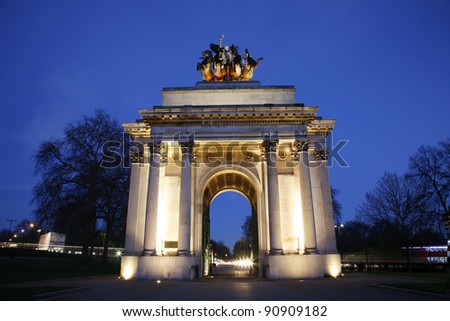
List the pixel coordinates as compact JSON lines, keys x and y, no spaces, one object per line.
{"x":224,"y":181}
{"x":239,"y":180}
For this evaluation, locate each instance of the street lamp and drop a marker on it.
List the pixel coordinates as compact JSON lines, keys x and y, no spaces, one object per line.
{"x":339,"y":227}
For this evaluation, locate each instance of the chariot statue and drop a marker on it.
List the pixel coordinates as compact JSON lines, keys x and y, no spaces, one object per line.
{"x":226,"y":64}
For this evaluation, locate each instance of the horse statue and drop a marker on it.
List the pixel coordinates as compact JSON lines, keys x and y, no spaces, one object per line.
{"x":221,"y":61}
{"x":250,"y":66}
{"x":236,"y":70}
{"x":205,"y":66}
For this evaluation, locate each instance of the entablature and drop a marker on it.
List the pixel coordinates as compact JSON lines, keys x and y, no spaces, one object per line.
{"x":225,"y":115}
{"x":137,"y":130}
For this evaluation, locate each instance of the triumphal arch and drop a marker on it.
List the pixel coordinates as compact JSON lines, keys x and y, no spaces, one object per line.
{"x":220,"y":135}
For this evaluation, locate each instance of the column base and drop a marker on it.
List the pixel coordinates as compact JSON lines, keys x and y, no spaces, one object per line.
{"x":149,"y":253}
{"x":311,"y":250}
{"x":183,"y":253}
{"x":276,"y":252}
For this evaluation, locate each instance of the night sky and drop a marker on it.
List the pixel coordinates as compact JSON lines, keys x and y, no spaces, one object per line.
{"x":381,"y":68}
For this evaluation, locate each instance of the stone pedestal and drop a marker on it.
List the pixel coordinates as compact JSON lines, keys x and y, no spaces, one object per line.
{"x":168,"y":267}
{"x":295,"y":267}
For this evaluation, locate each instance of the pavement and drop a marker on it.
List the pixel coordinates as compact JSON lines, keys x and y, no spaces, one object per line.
{"x":233,"y":285}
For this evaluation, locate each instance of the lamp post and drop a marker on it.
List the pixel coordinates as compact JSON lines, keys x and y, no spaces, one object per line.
{"x":10,"y":225}
{"x":338,"y":227}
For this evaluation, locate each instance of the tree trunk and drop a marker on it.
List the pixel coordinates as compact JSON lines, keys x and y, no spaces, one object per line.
{"x":106,"y":241}
{"x":88,"y":231}
{"x":87,"y":236}
{"x":366,"y":252}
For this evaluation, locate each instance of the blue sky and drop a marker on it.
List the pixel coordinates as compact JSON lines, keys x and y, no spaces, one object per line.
{"x":380,"y":68}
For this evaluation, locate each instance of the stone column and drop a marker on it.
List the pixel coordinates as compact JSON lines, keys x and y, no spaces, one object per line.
{"x":302,"y":146}
{"x":327,"y":204}
{"x":132,"y":227}
{"x":273,"y":194}
{"x":184,"y":226}
{"x":151,"y":221}
{"x":316,"y":189}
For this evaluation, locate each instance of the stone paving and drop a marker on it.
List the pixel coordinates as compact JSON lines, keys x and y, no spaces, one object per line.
{"x":351,"y":287}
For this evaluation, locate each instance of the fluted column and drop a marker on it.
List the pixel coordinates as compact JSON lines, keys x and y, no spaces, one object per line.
{"x":135,"y":230}
{"x":327,"y":204}
{"x":273,"y":194}
{"x":316,"y":189}
{"x":302,"y":146}
{"x":151,"y":220}
{"x":184,"y":226}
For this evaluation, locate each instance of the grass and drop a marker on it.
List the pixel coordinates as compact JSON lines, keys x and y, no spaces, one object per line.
{"x":21,"y":265}
{"x":431,"y":282}
{"x":29,"y":266}
{"x":26,"y":293}
{"x":438,"y":276}
{"x":431,"y":287}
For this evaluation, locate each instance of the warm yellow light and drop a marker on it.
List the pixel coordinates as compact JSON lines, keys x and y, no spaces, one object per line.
{"x":335,"y":271}
{"x":32,"y":225}
{"x":127,"y":273}
{"x":244,"y":263}
{"x":128,"y":267}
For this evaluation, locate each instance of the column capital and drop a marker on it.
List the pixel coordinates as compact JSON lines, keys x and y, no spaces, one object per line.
{"x":301,"y":145}
{"x":186,"y":147}
{"x":156,"y":147}
{"x":269,"y":149}
{"x":298,"y":146}
{"x":322,"y":154}
{"x":137,"y":156}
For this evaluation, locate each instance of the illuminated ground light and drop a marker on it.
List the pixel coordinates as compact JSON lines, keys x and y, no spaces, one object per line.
{"x":336,"y":271}
{"x":118,"y":253}
{"x":127,"y":271}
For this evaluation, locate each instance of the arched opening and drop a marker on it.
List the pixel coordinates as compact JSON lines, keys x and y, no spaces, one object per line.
{"x":228,"y":199}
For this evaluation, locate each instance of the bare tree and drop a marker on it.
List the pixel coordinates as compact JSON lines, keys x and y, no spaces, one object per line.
{"x":396,"y":203}
{"x":75,"y":185}
{"x":430,"y":165}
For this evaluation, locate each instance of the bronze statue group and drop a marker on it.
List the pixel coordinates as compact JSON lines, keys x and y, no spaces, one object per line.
{"x":226,"y":64}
